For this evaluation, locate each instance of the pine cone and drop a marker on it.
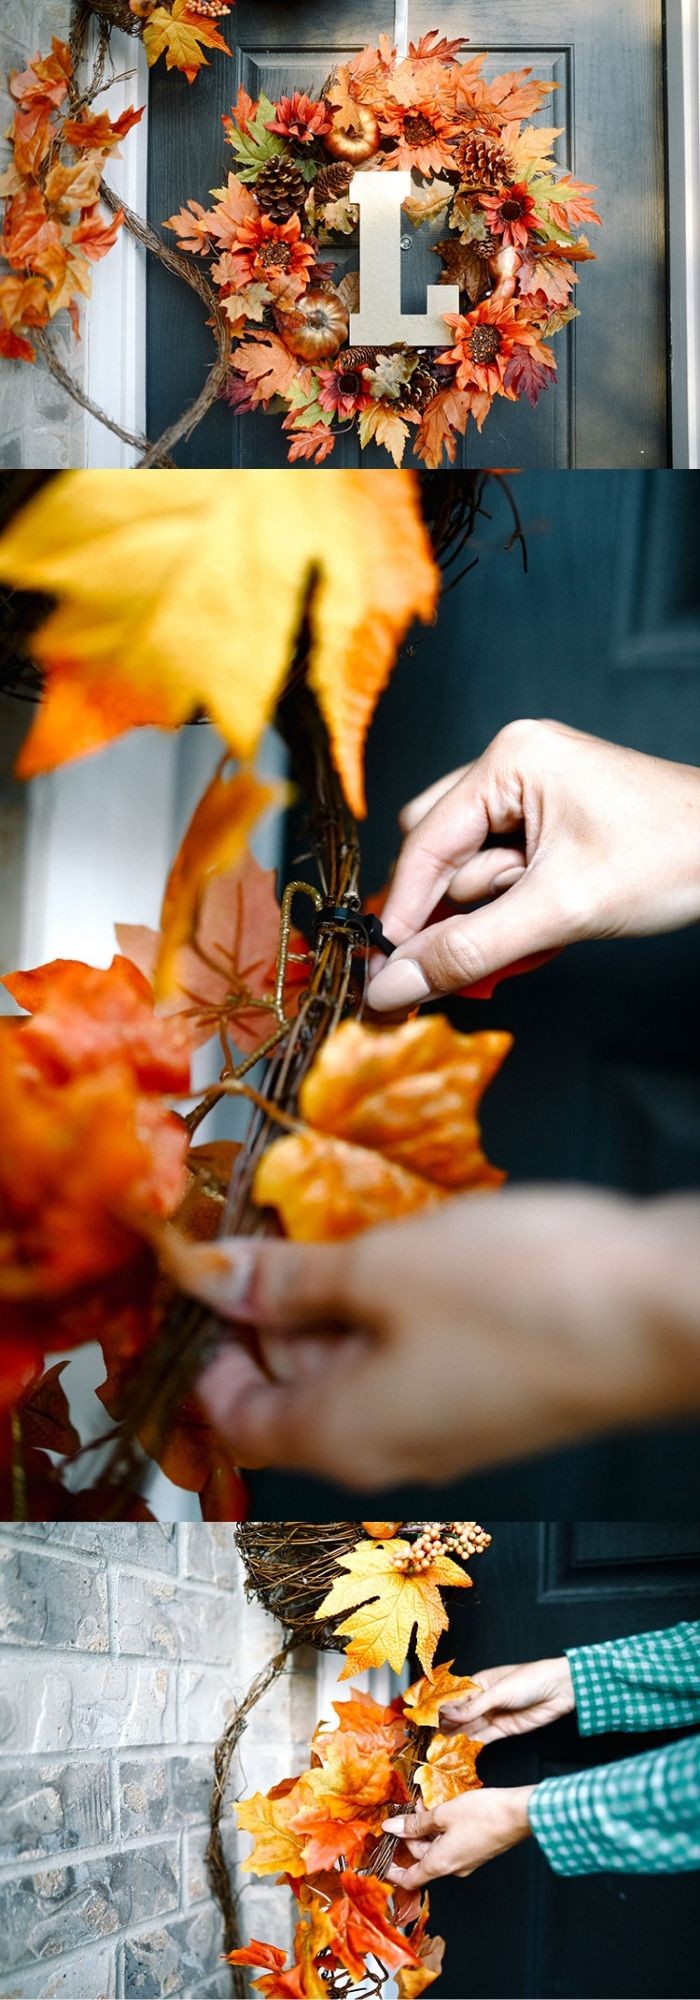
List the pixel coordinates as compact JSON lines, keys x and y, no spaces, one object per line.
{"x":486,"y":247}
{"x":280,"y":190}
{"x":483,"y":163}
{"x":360,"y":357}
{"x":420,"y":390}
{"x":332,"y":183}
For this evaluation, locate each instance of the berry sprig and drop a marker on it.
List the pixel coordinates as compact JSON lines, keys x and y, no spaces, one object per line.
{"x":441,"y":1538}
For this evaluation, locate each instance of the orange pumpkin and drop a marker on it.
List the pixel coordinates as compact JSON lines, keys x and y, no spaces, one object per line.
{"x":382,"y":1531}
{"x":354,"y":146}
{"x":316,"y":327}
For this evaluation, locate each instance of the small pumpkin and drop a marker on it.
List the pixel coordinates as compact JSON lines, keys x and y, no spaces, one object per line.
{"x":316,"y":327}
{"x":382,"y":1531}
{"x":354,"y":146}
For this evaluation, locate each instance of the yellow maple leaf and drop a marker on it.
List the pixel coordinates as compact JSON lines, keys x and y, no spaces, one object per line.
{"x":278,"y":1850}
{"x":387,"y":1605}
{"x":386,"y":427}
{"x":188,"y":593}
{"x":425,"y":1698}
{"x":449,"y":1770}
{"x":181,"y":38}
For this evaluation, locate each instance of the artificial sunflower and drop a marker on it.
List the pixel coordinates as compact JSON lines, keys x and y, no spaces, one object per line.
{"x":343,"y":391}
{"x":511,"y":214}
{"x":484,"y":346}
{"x":422,"y":133}
{"x":275,"y":254}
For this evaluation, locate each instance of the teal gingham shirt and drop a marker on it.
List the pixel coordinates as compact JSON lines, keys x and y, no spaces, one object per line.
{"x":640,"y":1816}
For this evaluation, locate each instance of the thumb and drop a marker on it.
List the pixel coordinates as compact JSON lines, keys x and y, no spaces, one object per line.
{"x":468,"y":948}
{"x":258,"y":1281}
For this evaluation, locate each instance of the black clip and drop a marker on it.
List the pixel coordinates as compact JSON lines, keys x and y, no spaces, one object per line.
{"x":367,"y":930}
{"x":375,"y":936}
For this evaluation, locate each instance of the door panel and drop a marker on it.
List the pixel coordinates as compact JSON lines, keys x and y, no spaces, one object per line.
{"x":610,"y":407}
{"x":275,"y":47}
{"x":515,"y":1928}
{"x":603,"y":1084}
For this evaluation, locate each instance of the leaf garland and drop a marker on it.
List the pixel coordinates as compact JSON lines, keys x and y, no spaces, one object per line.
{"x":320,"y":1832}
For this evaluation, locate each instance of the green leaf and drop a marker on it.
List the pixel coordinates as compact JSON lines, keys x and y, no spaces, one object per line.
{"x":255,"y":147}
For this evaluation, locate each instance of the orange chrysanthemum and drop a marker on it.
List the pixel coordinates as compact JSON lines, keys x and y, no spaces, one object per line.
{"x":270,"y":253}
{"x":423,"y":134}
{"x":511,"y":214}
{"x":300,"y":118}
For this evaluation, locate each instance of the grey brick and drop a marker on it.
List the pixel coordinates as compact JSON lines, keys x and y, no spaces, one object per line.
{"x":45,"y":1807}
{"x":152,"y":1543}
{"x":90,"y":1977}
{"x":56,"y":1911}
{"x":174,"y":1621}
{"x":196,"y":1881}
{"x":84,"y":1703}
{"x":207,"y":1703}
{"x":174,"y":1959}
{"x":209,"y":1554}
{"x":158,"y":1794}
{"x":51,"y":1603}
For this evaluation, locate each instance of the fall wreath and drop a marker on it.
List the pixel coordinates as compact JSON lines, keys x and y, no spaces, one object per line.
{"x":373,"y":1589}
{"x":504,"y":222}
{"x":483,"y":176}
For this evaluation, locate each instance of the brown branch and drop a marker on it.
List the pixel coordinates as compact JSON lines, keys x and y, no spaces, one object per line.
{"x":219,"y":1878}
{"x":67,"y":381}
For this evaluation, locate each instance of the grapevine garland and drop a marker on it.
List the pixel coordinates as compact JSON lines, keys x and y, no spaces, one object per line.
{"x":322,"y":1832}
{"x":485,"y":176}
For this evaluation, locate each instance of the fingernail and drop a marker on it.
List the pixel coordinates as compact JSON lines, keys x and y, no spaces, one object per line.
{"x":400,"y":984}
{"x":392,"y":1826}
{"x":219,"y":1273}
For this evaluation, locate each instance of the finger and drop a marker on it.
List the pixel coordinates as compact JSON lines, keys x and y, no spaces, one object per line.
{"x":260,"y":1282}
{"x":494,"y":869}
{"x":488,"y":799}
{"x":282,"y":1424}
{"x":418,"y":1825}
{"x":466,"y":949}
{"x":420,"y":1872}
{"x":416,"y":809}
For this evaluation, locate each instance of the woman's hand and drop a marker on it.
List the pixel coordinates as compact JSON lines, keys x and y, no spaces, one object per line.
{"x":459,"y":1837}
{"x":510,"y":1701}
{"x":598,"y":842}
{"x":488,"y":1329}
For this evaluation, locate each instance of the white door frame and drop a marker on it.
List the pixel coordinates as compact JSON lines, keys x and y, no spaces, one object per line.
{"x":115,"y":333}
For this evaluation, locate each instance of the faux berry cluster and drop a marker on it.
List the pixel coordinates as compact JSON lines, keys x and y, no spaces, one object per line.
{"x":442,"y":1538}
{"x":481,"y":174}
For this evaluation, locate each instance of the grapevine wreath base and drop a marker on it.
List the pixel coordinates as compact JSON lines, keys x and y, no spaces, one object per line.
{"x":269,"y":259}
{"x":295,"y":1568}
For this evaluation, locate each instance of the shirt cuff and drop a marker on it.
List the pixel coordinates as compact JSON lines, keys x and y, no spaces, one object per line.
{"x":599,"y":1692}
{"x":565,"y":1826}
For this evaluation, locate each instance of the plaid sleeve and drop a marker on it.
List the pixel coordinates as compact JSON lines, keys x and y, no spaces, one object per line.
{"x":641,"y":1816}
{"x":651,"y":1681}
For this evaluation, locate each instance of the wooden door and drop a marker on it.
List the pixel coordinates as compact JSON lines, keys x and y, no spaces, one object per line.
{"x":603,"y":1084}
{"x":516,"y":1928}
{"x":610,"y":407}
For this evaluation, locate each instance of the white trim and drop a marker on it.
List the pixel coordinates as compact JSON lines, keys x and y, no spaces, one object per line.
{"x":683,"y":57}
{"x":401,"y":27}
{"x":115,"y":322}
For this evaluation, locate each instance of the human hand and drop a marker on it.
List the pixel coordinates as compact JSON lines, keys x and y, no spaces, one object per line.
{"x":600,"y":842}
{"x":458,"y":1837}
{"x":454,"y":1340}
{"x":510,"y":1701}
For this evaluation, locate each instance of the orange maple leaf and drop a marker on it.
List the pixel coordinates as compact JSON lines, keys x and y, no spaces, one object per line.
{"x":372,"y":1725}
{"x":216,"y":840}
{"x":181,"y":37}
{"x":97,"y":132}
{"x":267,"y":365}
{"x":155,"y":623}
{"x":343,"y":1799}
{"x":231,"y":960}
{"x":413,"y":1980}
{"x":449,"y":1769}
{"x":45,"y":81}
{"x":84,"y":1019}
{"x":363,"y":1928}
{"x":387,"y":1605}
{"x":444,"y":420}
{"x":426,"y":1697}
{"x":392,"y":1128}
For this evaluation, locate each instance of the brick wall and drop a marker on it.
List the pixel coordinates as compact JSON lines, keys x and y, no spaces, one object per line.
{"x":121,"y":1649}
{"x":39,"y":424}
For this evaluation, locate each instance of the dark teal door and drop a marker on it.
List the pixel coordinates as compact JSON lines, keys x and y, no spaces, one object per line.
{"x":611,"y":404}
{"x":515,"y":1928}
{"x":603,"y":1085}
